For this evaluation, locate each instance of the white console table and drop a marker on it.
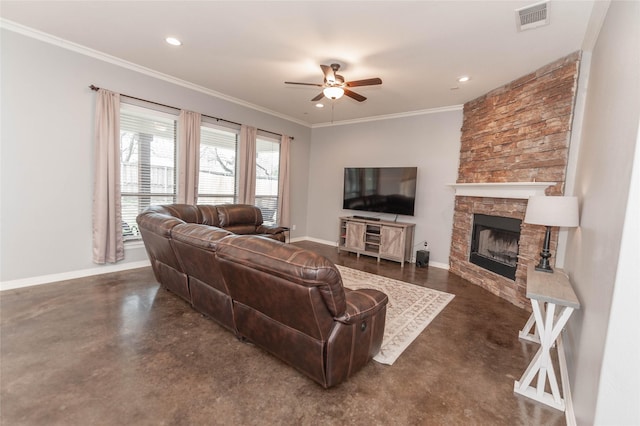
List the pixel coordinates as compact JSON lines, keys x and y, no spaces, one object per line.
{"x":547,"y":291}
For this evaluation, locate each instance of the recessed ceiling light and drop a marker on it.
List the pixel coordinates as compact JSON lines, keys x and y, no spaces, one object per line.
{"x":319,"y":106}
{"x":464,"y":79}
{"x":173,"y":41}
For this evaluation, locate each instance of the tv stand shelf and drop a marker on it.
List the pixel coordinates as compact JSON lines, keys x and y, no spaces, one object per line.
{"x":378,"y":238}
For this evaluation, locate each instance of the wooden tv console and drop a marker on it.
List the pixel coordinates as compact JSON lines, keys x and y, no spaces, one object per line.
{"x":378,"y":238}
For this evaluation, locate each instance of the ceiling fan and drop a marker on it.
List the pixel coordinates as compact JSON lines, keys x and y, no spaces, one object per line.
{"x":334,"y":85}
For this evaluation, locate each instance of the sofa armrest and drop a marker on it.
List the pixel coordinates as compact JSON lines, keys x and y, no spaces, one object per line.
{"x":362,"y":304}
{"x":271,"y":230}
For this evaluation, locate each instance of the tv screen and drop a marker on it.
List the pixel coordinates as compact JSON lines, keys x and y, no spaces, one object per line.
{"x":380,"y":189}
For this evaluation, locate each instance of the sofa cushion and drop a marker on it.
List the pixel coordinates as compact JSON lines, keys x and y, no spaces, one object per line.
{"x":239,"y":214}
{"x":158,"y":223}
{"x":288,"y":262}
{"x":202,"y":236}
{"x":185,"y":212}
{"x":242,"y":229}
{"x":209,"y":215}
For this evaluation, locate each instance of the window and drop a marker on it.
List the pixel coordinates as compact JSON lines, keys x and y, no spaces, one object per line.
{"x":267,"y":173}
{"x":147,"y":162}
{"x":218,"y":167}
{"x":148,"y":150}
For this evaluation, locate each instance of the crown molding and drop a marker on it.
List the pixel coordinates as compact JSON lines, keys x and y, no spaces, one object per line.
{"x":84,"y":50}
{"x":390,"y":116}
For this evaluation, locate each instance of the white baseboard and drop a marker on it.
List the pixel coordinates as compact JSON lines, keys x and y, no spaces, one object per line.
{"x":316,"y":240}
{"x":298,"y":239}
{"x":438,"y":265}
{"x":52,"y":278}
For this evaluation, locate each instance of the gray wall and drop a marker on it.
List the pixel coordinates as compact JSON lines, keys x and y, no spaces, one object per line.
{"x":429,"y":141}
{"x":47,"y":159}
{"x":602,"y":339}
{"x":47,"y":151}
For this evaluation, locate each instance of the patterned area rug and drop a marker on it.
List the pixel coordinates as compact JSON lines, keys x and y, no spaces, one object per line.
{"x":410,"y":310}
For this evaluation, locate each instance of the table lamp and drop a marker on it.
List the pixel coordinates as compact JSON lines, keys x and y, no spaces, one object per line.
{"x":551,"y":211}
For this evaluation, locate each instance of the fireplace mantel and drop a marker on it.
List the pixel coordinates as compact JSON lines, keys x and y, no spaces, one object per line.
{"x":518,"y":190}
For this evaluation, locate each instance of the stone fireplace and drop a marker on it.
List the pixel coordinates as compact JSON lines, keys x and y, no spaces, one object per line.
{"x":529,"y":245}
{"x":518,"y":133}
{"x":494,"y":244}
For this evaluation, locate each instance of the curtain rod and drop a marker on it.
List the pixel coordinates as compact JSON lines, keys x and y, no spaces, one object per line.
{"x":96,"y":88}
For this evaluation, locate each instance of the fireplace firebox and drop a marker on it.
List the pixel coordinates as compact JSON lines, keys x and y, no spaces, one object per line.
{"x":494,"y":244}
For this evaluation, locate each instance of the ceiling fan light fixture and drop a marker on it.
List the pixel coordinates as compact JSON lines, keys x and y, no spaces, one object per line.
{"x":333,"y":92}
{"x":335,"y":86}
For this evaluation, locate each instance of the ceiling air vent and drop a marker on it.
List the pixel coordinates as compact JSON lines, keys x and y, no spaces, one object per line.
{"x":532,"y":16}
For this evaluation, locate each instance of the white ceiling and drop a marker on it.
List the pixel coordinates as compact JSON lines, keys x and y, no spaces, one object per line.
{"x":246,"y":50}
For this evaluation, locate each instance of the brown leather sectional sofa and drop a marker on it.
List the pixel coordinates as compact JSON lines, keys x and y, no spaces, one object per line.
{"x":285,"y":299}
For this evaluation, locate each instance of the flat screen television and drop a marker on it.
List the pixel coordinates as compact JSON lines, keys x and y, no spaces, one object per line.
{"x":380,"y":189}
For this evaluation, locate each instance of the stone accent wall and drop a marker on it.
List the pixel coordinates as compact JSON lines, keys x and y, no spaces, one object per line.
{"x":517,"y":133}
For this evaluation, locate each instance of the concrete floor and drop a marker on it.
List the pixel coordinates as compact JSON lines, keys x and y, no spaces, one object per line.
{"x":116,"y":349}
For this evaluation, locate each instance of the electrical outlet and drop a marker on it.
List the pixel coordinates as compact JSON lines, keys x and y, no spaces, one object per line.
{"x":293,"y":227}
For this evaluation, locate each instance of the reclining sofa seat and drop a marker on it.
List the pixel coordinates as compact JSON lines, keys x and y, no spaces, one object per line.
{"x":181,"y":240}
{"x":155,"y":225}
{"x":291,"y":302}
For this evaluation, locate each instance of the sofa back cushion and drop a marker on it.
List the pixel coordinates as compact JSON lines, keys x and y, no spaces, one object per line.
{"x":200,"y":236}
{"x":239,"y":218}
{"x":185,"y":212}
{"x":209,"y":215}
{"x":156,"y":232}
{"x":160,"y":224}
{"x":289,"y":284}
{"x":155,"y":226}
{"x":195,"y":246}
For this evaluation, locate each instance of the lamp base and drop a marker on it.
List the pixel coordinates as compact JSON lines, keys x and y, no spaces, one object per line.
{"x":545,"y":254}
{"x":542,"y":268}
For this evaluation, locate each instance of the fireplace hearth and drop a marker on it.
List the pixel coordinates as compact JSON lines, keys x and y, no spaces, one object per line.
{"x":494,"y":244}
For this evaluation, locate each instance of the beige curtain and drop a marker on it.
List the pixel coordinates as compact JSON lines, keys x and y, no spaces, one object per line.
{"x":188,"y":157}
{"x":284,"y":201}
{"x":108,"y":245}
{"x":247,"y":184}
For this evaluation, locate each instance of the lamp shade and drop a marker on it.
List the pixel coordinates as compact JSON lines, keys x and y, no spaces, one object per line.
{"x":552,"y":211}
{"x":333,"y":92}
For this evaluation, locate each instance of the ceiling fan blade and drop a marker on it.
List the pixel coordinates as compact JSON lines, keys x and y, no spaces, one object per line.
{"x":304,"y":84}
{"x":329,"y":74}
{"x":365,"y":82}
{"x":317,"y":98}
{"x":354,"y":95}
